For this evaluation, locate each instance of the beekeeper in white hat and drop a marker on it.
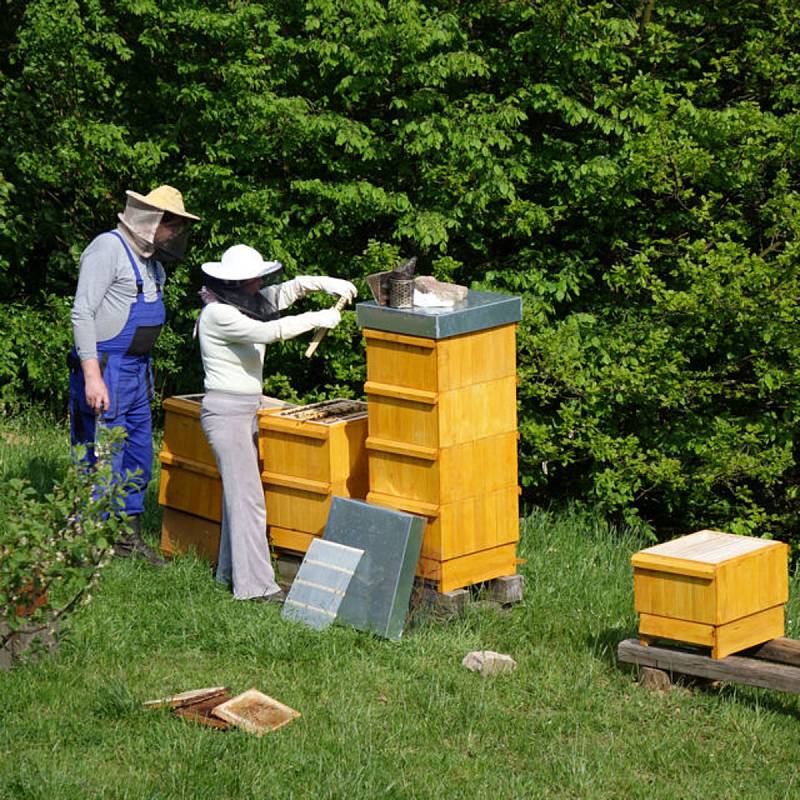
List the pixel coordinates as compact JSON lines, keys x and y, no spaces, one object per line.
{"x":117,"y":315}
{"x":241,"y":315}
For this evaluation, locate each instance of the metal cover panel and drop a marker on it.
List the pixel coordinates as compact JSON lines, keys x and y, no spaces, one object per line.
{"x":378,"y":596}
{"x":481,"y":310}
{"x":320,"y":584}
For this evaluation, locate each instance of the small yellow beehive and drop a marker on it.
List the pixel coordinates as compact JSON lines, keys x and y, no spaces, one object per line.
{"x":310,"y":454}
{"x":714,"y":589}
{"x":190,"y":489}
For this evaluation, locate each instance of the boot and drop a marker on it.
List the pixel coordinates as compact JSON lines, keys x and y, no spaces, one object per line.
{"x":133,"y":545}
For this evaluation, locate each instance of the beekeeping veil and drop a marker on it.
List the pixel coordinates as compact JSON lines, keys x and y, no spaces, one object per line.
{"x":157,"y":223}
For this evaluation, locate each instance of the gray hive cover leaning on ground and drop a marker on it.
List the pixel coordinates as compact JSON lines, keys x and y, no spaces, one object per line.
{"x":378,"y":596}
{"x":320,"y":584}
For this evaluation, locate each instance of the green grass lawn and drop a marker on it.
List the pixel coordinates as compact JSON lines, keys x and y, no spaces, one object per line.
{"x":379,"y":719}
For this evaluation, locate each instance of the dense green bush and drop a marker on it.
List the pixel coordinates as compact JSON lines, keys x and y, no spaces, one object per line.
{"x":629,"y":169}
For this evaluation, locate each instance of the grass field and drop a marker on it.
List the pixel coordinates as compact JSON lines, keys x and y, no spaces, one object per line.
{"x":379,"y":719}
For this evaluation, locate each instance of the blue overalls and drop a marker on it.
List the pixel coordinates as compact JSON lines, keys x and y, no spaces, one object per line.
{"x":125,"y":364}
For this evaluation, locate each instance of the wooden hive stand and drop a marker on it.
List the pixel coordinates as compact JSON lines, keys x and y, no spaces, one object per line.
{"x":772,"y":665}
{"x":713,"y":589}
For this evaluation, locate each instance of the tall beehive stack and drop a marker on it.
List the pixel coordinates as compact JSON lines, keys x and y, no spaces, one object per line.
{"x":310,"y":454}
{"x":190,"y":489}
{"x":442,"y":440}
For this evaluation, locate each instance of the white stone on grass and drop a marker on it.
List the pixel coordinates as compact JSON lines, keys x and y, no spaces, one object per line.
{"x":487,"y":662}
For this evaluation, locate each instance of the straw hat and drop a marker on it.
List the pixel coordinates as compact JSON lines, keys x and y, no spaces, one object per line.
{"x":240,"y":263}
{"x":164,"y":198}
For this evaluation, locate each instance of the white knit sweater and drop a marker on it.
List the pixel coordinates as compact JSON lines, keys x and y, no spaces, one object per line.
{"x":232,"y":345}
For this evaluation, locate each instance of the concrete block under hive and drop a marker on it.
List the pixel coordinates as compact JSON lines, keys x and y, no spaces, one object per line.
{"x":714,"y":589}
{"x":190,"y":489}
{"x":310,"y":454}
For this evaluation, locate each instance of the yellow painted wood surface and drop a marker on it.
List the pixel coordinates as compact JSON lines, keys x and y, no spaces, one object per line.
{"x":298,"y":507}
{"x":289,"y":540}
{"x":303,"y":464}
{"x":748,"y":631}
{"x":712,"y":588}
{"x":443,"y":444}
{"x":439,"y":365}
{"x":325,"y":453}
{"x":456,"y":573}
{"x":183,"y":435}
{"x":189,"y":479}
{"x":190,"y":486}
{"x":459,"y":472}
{"x":707,"y":588}
{"x":732,"y":637}
{"x":679,"y":630}
{"x":755,"y":581}
{"x":465,"y":526}
{"x":181,"y":532}
{"x":306,"y":463}
{"x":458,"y":416}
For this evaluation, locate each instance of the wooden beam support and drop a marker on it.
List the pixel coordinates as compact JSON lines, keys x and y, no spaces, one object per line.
{"x":737,"y":669}
{"x":782,"y":650}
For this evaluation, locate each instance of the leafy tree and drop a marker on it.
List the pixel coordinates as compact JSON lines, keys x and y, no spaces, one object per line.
{"x":630,"y":169}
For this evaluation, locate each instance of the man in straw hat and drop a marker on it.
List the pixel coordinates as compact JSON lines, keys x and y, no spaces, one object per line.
{"x":116,"y":318}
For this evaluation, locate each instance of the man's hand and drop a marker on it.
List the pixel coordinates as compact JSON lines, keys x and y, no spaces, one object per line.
{"x":96,"y":391}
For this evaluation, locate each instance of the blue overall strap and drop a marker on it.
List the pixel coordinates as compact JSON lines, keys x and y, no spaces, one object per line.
{"x":139,"y":281}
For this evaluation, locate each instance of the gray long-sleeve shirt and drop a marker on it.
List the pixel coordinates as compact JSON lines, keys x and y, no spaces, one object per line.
{"x":106,"y":289}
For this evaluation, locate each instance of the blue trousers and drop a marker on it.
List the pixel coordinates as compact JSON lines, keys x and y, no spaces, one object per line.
{"x":127,"y":380}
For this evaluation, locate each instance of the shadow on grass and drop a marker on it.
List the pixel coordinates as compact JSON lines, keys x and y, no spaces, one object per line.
{"x":42,"y":472}
{"x":754,"y":698}
{"x":604,"y":644}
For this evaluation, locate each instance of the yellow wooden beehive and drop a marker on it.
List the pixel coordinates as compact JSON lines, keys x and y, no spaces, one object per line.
{"x":443,"y":444}
{"x":181,"y":532}
{"x":714,"y":589}
{"x":310,"y":454}
{"x":190,"y":489}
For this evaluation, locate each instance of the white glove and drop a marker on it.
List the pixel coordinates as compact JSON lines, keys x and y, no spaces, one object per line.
{"x":335,"y":286}
{"x":327,"y":318}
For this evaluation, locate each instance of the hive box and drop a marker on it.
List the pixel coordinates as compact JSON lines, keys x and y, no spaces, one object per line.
{"x":190,"y":489}
{"x":713,"y":589}
{"x":311,"y":453}
{"x":182,"y":532}
{"x":189,"y":478}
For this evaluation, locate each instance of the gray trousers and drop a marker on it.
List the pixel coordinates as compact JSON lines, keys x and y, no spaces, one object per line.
{"x":230,"y":425}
